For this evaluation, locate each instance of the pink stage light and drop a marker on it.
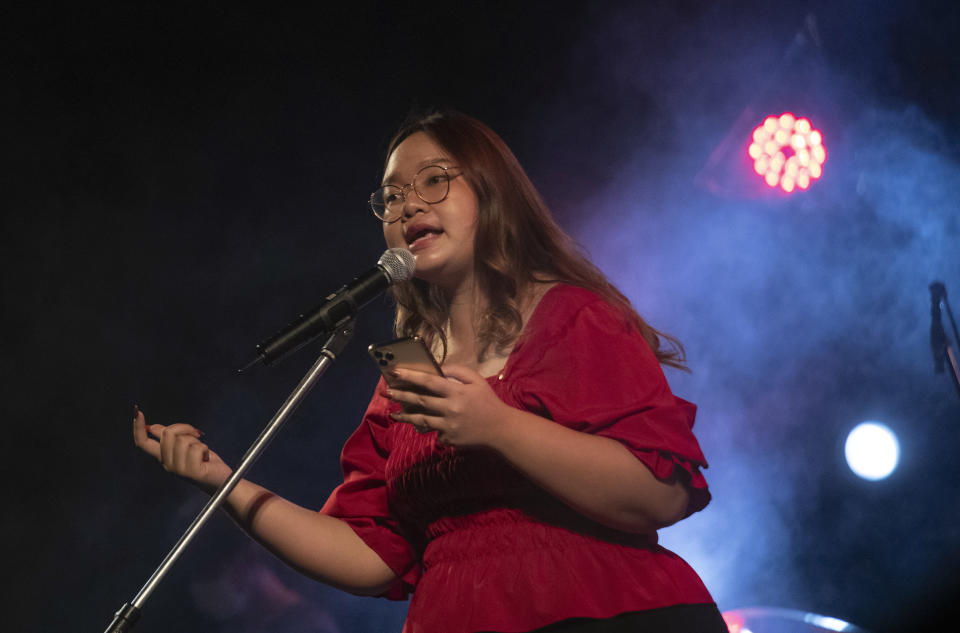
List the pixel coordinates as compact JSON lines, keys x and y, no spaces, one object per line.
{"x":787,"y":152}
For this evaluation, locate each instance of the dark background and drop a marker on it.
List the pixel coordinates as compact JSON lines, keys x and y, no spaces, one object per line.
{"x":182,"y":182}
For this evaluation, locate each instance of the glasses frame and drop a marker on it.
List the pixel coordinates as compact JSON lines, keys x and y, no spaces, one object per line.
{"x":413,"y":185}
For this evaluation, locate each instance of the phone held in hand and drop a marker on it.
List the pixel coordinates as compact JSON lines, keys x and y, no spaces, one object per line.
{"x":406,"y":353}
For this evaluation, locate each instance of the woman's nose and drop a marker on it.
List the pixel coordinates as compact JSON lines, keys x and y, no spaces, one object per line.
{"x":411,"y":202}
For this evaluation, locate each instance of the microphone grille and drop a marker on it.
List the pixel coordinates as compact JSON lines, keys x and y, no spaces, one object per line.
{"x":398,"y":263}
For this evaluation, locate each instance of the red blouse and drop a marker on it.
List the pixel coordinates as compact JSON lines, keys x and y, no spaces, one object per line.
{"x":483,"y":548}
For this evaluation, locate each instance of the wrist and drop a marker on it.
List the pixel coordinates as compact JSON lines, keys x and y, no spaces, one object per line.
{"x":242,"y":498}
{"x":508,"y":430}
{"x":212,"y":481}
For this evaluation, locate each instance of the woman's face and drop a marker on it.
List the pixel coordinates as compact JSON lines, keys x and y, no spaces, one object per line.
{"x":440,"y":235}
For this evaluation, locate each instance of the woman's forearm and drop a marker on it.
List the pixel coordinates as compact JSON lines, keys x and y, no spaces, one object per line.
{"x":597,"y":476}
{"x":320,"y":546}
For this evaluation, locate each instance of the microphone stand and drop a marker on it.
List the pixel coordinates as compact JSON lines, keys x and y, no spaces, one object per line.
{"x":129,"y":613}
{"x":942,"y":348}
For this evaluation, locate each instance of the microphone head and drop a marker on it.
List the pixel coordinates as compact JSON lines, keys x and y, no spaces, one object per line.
{"x":398,"y":263}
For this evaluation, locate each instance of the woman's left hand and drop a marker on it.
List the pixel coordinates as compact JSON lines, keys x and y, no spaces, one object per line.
{"x":464,"y":411}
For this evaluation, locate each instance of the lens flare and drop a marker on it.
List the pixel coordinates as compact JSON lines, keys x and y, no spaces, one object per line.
{"x":787,"y":152}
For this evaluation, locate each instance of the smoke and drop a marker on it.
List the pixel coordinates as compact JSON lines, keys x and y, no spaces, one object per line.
{"x":800,"y":313}
{"x":217,"y":198}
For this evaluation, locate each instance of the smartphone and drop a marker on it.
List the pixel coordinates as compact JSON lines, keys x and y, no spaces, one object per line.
{"x":407,"y":353}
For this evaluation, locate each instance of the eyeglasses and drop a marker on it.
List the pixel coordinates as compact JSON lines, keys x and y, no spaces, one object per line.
{"x":431,"y":184}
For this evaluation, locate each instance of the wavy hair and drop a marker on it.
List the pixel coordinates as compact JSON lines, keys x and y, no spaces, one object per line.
{"x":518,"y":243}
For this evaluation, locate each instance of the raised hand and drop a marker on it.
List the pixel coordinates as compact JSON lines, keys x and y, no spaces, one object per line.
{"x":179,"y":449}
{"x":463,"y":411}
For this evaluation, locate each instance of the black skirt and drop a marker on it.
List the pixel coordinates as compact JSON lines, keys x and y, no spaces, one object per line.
{"x":683,"y":618}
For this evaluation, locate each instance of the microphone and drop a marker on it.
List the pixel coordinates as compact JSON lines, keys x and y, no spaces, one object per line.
{"x":395,"y":265}
{"x":938,"y":338}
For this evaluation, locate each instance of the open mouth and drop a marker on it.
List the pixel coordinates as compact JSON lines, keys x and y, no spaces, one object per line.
{"x":421,"y":236}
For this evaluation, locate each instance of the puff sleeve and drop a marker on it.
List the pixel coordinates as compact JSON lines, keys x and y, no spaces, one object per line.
{"x":361,"y":500}
{"x":591,"y":371}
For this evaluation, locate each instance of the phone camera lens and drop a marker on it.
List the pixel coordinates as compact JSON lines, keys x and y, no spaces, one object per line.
{"x":389,"y":356}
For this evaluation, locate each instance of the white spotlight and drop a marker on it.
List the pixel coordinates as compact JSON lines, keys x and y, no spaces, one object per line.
{"x":872,"y":451}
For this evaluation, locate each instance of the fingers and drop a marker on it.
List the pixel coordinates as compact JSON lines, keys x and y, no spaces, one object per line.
{"x":188,"y":454}
{"x":179,"y":450}
{"x":175,"y":441}
{"x":141,"y":438}
{"x":462,"y":373}
{"x":415,"y":401}
{"x":176,"y":446}
{"x":422,"y":380}
{"x":421,"y":422}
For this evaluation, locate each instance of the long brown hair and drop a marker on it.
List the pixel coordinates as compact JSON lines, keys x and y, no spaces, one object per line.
{"x":518,"y":243}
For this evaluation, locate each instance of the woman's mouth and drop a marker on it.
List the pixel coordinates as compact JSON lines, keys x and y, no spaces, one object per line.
{"x":423,"y":239}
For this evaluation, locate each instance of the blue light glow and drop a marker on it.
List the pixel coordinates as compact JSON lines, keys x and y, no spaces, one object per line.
{"x":826,"y":622}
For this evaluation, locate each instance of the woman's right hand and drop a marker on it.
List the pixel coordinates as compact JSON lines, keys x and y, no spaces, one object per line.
{"x":319,"y":545}
{"x":178,"y":448}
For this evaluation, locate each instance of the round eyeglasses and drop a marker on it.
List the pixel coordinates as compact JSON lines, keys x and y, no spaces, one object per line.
{"x":431,"y":184}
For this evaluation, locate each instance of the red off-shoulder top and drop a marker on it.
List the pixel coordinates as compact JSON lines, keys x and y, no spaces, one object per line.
{"x":480,"y":547}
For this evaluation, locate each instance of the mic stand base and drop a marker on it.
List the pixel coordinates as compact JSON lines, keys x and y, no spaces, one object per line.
{"x":129,"y":613}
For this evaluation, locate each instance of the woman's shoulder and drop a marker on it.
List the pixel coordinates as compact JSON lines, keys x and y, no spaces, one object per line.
{"x":565,"y":306}
{"x":562,"y":301}
{"x":564,"y":296}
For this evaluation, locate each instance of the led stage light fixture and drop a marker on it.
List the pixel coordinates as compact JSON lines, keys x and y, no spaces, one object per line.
{"x":787,"y":152}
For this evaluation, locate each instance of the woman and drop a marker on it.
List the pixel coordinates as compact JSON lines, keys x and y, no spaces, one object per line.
{"x":522,"y":491}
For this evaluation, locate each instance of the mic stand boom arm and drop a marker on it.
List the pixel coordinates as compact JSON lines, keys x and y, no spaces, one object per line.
{"x":129,"y":613}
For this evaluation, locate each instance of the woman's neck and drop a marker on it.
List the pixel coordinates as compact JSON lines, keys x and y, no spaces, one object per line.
{"x":466,"y":305}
